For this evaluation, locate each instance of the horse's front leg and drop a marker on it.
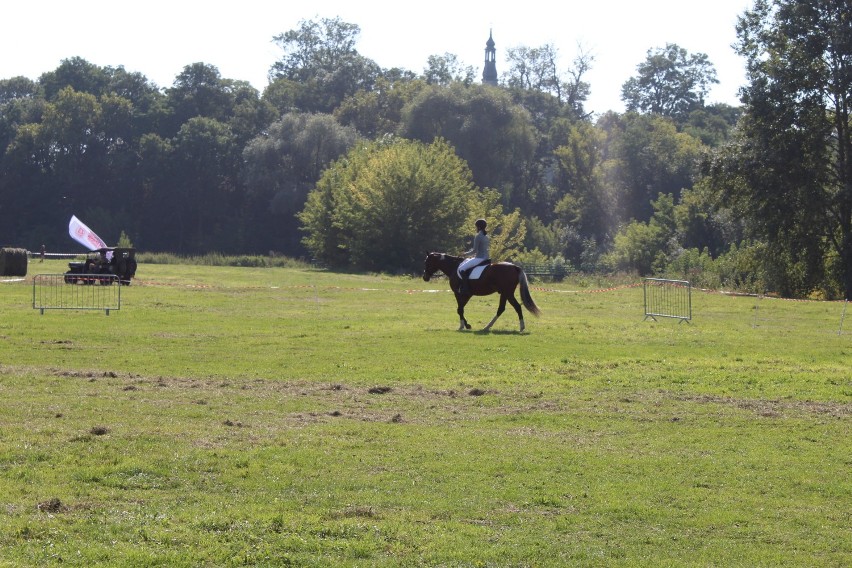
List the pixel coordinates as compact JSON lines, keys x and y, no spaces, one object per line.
{"x":462,"y":301}
{"x":500,"y":309}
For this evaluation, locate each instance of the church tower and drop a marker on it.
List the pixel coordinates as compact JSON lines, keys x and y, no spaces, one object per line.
{"x":489,"y":72}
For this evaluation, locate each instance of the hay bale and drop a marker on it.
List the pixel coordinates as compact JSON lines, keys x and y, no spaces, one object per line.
{"x":13,"y":262}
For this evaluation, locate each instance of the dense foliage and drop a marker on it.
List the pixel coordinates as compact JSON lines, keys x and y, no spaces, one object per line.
{"x":211,"y":164}
{"x":789,"y":169}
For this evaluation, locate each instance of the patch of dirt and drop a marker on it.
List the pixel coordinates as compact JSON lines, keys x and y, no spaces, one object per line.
{"x":87,"y":374}
{"x":52,"y":505}
{"x":775,"y":408}
{"x":360,"y":512}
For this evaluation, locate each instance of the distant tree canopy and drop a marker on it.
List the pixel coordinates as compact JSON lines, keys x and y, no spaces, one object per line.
{"x":321,"y":66}
{"x":537,"y":70}
{"x":365,"y":167}
{"x":670,"y":82}
{"x":282,"y":165}
{"x":486,"y":128}
{"x":447,"y":69}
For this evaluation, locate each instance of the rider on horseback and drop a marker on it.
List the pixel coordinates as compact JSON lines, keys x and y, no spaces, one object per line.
{"x":481,"y":243}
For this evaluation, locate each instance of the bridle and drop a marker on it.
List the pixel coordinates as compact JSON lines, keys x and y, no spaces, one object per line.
{"x":441,"y":258}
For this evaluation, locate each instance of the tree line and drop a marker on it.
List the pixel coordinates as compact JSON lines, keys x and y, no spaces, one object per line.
{"x":367,"y":168}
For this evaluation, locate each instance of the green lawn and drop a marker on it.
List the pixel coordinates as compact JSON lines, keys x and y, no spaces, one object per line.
{"x":283,"y":417}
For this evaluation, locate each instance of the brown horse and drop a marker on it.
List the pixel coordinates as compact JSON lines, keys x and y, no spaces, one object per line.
{"x":502,"y":277}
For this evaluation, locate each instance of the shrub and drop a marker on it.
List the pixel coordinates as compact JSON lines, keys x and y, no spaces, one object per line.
{"x":219,"y":259}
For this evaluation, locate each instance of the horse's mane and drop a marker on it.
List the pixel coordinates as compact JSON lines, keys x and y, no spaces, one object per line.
{"x":450,"y":256}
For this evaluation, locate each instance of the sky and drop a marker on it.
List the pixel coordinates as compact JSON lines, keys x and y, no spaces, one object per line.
{"x":159,"y":38}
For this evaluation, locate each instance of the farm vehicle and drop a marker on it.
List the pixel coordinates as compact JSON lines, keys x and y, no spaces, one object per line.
{"x":104,"y":266}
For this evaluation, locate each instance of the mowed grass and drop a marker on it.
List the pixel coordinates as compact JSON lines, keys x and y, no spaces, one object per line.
{"x":276,"y":417}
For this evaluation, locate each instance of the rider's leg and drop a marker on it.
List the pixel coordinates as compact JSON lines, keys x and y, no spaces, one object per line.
{"x":464,"y":285}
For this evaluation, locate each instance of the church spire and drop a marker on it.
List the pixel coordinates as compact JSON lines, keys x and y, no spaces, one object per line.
{"x":489,"y":72}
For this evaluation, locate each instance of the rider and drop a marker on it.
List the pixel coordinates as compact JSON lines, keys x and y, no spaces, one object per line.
{"x":480,"y":254}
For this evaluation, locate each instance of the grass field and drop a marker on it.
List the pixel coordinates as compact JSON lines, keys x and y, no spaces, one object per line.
{"x":283,"y":417}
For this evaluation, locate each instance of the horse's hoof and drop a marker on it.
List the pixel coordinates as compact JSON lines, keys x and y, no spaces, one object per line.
{"x":467,"y":326}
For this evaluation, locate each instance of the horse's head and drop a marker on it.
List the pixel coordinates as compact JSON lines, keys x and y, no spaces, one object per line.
{"x":432,"y":264}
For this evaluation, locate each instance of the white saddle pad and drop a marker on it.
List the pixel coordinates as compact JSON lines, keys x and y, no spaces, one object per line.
{"x":477,"y":272}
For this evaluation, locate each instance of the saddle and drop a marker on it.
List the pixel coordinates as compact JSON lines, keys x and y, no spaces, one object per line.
{"x":475,"y":272}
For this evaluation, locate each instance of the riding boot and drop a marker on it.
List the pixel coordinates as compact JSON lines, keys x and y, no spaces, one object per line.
{"x":464,"y":287}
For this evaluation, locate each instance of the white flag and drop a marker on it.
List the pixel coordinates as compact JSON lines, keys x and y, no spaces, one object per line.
{"x":84,"y":235}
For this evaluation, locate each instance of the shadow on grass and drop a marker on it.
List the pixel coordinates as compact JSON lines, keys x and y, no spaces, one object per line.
{"x":478,"y":331}
{"x":499,"y":332}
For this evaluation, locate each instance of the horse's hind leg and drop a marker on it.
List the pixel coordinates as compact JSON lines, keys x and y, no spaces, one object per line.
{"x":500,"y":309}
{"x":517,"y":306}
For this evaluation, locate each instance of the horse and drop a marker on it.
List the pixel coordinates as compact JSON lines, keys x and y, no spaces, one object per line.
{"x":501,"y":277}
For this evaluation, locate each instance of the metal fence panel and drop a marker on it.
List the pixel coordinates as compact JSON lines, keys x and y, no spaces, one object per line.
{"x":668,"y":299}
{"x":76,"y":292}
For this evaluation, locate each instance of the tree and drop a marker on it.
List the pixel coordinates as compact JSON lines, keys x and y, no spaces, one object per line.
{"x":24,"y":187}
{"x":537,"y":69}
{"x":282,"y":166}
{"x":387,"y":203}
{"x":648,"y":157}
{"x":249,"y":114}
{"x":378,"y":111}
{"x":20,"y":103}
{"x":76,"y":73}
{"x":646,"y":247}
{"x":790,"y":168}
{"x":586,"y":206}
{"x":205,"y":171}
{"x":158,"y":217}
{"x":445,"y":69}
{"x":491,"y":133}
{"x":17,"y":88}
{"x":670,"y":82}
{"x":321,"y":66}
{"x":712,"y":124}
{"x":703,"y":222}
{"x":199,"y":91}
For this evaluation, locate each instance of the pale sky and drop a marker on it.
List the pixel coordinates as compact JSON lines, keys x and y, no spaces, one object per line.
{"x":159,"y":38}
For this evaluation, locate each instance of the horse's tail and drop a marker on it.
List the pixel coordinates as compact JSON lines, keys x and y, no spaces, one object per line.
{"x":526,"y":297}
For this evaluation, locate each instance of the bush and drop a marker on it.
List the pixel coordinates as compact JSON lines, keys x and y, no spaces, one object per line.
{"x":530,"y":258}
{"x":561,"y":268}
{"x":219,"y":259}
{"x":741,"y":268}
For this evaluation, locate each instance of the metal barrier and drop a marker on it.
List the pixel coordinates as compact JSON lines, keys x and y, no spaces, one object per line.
{"x":668,"y":299}
{"x":76,"y":292}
